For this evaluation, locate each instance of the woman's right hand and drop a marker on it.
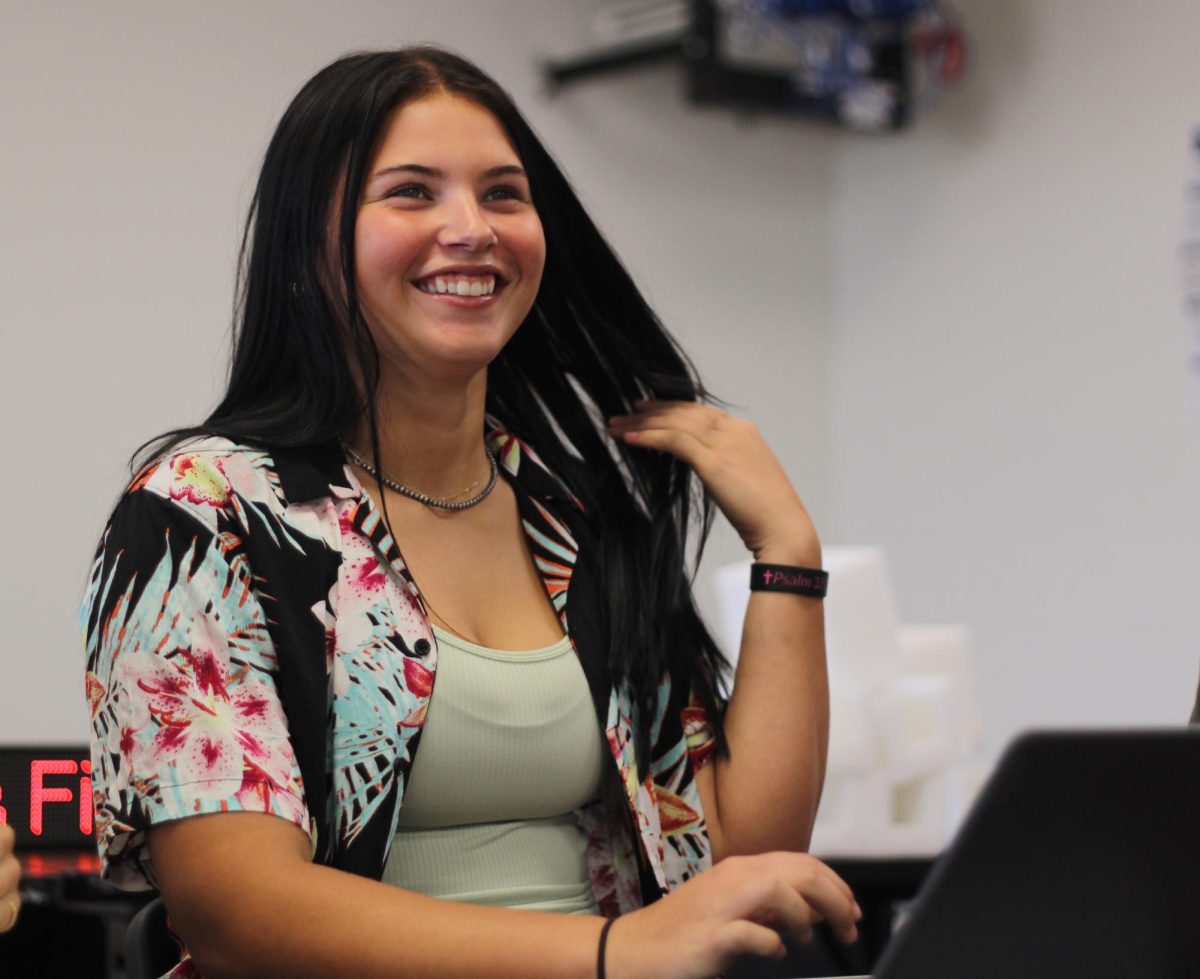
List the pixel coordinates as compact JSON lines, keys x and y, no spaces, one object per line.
{"x":737,"y":908}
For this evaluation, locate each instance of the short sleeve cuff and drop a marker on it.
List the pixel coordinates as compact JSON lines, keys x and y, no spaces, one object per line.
{"x":125,"y":861}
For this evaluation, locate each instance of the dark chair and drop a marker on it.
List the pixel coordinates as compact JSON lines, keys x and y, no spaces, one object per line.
{"x":150,"y":951}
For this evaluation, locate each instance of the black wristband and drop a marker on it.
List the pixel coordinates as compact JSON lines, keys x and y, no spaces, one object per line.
{"x":600,"y":952}
{"x":788,"y":578}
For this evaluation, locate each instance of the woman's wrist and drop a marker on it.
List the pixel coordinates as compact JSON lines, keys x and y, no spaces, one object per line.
{"x":801,"y":548}
{"x":792,"y":540}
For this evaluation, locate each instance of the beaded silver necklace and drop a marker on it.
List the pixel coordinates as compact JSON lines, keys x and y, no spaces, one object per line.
{"x":432,"y":501}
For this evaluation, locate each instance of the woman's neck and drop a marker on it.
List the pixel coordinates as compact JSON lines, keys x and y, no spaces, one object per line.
{"x":430,"y":436}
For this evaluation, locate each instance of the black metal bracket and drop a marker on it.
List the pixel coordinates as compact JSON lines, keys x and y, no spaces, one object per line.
{"x":601,"y":61}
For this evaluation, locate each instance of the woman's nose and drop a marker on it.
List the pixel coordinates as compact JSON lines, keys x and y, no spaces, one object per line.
{"x":466,"y":226}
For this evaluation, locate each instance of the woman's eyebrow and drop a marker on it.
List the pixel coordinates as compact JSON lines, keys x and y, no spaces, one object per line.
{"x":508,"y":170}
{"x":504,"y":170}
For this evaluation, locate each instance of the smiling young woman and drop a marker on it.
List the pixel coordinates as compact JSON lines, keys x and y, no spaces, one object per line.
{"x":446,"y":501}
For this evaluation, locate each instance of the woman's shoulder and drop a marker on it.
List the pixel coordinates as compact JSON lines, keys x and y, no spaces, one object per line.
{"x":215,"y":470}
{"x":208,"y":470}
{"x":220,"y":483}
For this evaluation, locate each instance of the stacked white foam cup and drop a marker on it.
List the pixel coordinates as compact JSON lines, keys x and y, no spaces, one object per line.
{"x":905,"y":725}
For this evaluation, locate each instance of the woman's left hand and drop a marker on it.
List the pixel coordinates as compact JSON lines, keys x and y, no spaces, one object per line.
{"x":737,"y":468}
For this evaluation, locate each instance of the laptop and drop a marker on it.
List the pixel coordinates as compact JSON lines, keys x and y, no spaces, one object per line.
{"x":1079,"y":860}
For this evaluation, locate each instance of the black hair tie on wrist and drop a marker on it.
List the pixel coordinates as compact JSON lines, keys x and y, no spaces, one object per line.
{"x":789,"y":578}
{"x":600,"y":952}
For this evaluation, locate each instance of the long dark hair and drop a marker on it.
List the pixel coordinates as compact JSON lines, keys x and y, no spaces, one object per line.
{"x":590,"y":348}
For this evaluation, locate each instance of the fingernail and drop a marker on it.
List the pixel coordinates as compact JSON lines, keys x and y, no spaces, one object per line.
{"x":857,"y":912}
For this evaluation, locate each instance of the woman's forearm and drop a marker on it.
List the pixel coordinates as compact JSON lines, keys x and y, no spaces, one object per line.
{"x":246,"y":901}
{"x":325,"y":922}
{"x":765,"y":793}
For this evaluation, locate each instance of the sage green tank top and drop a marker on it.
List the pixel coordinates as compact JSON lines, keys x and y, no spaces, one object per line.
{"x":510,"y":748}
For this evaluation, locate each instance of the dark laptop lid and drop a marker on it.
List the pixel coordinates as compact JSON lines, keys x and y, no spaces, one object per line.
{"x":1080,"y":860}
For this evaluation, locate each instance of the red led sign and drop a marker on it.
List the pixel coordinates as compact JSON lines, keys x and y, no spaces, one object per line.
{"x":46,"y":796}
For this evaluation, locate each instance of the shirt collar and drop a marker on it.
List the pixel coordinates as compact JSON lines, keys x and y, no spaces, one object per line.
{"x":307,"y":472}
{"x":523,"y":466}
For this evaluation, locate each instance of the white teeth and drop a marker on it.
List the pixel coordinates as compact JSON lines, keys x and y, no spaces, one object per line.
{"x":459,"y":285}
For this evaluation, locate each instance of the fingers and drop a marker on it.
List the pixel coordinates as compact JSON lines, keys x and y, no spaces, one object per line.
{"x":9,"y":868}
{"x":10,"y":872}
{"x":739,"y":907}
{"x":740,"y":938}
{"x":684,"y":445}
{"x":686,"y":429}
{"x":790,"y":912}
{"x":831,"y":898}
{"x":799,"y":892}
{"x":697,"y":420}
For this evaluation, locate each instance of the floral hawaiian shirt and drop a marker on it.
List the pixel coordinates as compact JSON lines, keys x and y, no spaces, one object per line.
{"x":255,"y":643}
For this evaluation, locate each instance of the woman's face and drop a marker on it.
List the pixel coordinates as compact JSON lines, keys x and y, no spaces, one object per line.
{"x":449,"y":247}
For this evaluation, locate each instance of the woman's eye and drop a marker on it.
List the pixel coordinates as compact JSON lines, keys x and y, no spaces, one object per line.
{"x":505,"y":192}
{"x":415,"y":191}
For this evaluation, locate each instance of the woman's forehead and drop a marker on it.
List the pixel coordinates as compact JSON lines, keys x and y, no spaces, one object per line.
{"x":442,"y":129}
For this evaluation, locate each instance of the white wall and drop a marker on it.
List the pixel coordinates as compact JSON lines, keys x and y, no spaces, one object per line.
{"x":1012,"y":409}
{"x":131,"y":134}
{"x":965,"y":342}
